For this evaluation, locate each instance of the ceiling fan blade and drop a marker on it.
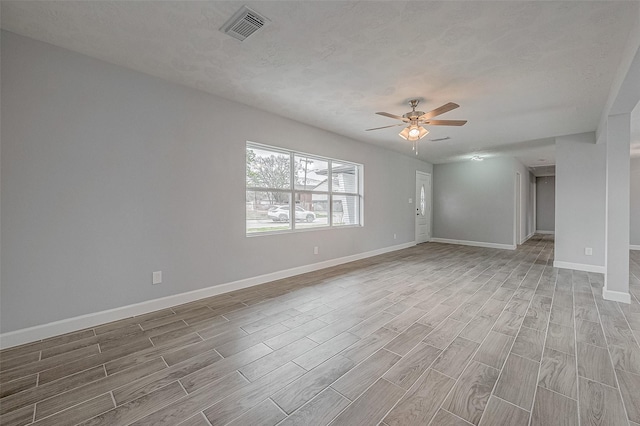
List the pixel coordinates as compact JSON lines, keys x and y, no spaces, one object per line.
{"x":446,"y":122}
{"x":397,"y":117}
{"x":378,"y":128}
{"x":441,"y":110}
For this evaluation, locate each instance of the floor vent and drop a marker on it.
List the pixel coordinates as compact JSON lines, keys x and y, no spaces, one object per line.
{"x":244,"y":23}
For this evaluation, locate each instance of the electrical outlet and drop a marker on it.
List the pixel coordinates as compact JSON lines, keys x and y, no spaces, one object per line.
{"x":588,"y":251}
{"x":315,"y":250}
{"x":394,"y":236}
{"x":410,"y":200}
{"x":157,"y":277}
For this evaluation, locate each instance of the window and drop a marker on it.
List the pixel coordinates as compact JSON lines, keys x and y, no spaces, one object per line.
{"x":316,"y":192}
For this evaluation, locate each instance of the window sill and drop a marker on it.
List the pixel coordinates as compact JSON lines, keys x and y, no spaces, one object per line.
{"x":298,"y":231}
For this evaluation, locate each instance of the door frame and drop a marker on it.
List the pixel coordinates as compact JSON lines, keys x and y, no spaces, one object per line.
{"x":517,"y":211}
{"x":535,"y":204}
{"x":429,"y":200}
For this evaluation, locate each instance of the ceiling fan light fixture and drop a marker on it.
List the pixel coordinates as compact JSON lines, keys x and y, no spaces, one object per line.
{"x":413,"y":133}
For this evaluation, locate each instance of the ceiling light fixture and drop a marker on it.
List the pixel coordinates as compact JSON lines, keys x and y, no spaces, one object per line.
{"x":477,"y":158}
{"x":413,"y":133}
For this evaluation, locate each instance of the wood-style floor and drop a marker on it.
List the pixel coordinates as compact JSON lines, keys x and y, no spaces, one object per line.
{"x":436,"y":334}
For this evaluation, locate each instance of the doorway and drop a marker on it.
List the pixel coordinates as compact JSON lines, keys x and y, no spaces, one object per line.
{"x":545,"y":207}
{"x":423,"y":207}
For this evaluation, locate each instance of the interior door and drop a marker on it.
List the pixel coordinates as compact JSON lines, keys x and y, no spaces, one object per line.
{"x":423,"y":207}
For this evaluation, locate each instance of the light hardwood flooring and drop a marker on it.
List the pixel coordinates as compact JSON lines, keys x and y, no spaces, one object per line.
{"x":435,"y":334}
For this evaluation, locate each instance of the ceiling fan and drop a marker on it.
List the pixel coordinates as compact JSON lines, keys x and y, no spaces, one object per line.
{"x":416,"y":120}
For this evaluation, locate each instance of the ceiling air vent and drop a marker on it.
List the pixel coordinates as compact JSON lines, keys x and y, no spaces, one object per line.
{"x":244,"y":23}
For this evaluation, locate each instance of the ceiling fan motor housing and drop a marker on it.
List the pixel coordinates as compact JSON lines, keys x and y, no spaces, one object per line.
{"x":413,"y":115}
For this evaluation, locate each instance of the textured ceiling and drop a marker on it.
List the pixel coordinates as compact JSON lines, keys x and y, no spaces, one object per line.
{"x":521,"y":71}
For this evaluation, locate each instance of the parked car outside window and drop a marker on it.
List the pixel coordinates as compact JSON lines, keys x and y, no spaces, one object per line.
{"x":281,"y":214}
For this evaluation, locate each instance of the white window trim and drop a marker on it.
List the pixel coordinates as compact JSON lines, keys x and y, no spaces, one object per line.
{"x":292,"y":191}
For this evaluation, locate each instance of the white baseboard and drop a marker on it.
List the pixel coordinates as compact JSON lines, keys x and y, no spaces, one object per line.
{"x":616,"y":296}
{"x":39,"y":332}
{"x":545,"y":232}
{"x":579,"y":266}
{"x":634,"y":247}
{"x":474,"y":243}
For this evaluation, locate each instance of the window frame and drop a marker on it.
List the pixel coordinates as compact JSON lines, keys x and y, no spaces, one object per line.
{"x":293,"y":192}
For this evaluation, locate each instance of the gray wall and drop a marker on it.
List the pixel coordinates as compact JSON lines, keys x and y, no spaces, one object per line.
{"x":474,"y":201}
{"x":546,"y":203}
{"x":580,"y":199}
{"x":634,"y":239}
{"x":109,"y":174}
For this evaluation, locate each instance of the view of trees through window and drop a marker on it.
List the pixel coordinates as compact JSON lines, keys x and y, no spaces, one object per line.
{"x":325,"y":192}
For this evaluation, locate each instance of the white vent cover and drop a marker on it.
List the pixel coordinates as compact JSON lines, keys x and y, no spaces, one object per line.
{"x":243,"y":23}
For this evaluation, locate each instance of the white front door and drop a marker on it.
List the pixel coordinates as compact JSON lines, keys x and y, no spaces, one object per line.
{"x":423,"y":207}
